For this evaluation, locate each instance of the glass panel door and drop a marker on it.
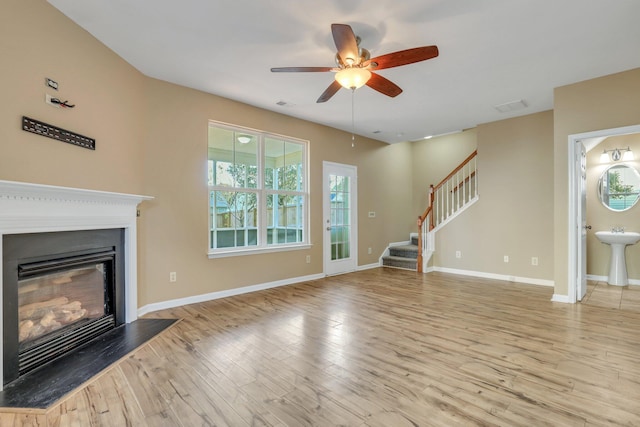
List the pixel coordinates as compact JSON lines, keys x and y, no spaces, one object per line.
{"x":340,"y":213}
{"x":339,"y":218}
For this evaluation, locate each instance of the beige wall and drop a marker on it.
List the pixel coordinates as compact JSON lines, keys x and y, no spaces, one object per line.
{"x":36,"y":42}
{"x":603,"y":103}
{"x":513,"y":215}
{"x":602,"y":218}
{"x":433,"y":159}
{"x":175,"y":224}
{"x":151,"y":139}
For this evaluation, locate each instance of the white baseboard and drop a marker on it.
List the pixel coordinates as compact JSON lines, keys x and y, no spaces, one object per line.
{"x":149,"y":308}
{"x":224,"y":294}
{"x":560,"y":298}
{"x":369,"y":266}
{"x":527,"y":280}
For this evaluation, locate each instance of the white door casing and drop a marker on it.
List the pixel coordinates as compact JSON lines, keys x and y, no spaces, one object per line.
{"x":581,"y":170}
{"x":340,"y":219}
{"x":575,"y":223}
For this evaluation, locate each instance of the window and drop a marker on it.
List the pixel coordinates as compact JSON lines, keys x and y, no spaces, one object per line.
{"x":257,"y":191}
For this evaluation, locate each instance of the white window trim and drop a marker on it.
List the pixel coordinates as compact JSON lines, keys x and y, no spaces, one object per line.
{"x":264,"y":248}
{"x":224,"y":253}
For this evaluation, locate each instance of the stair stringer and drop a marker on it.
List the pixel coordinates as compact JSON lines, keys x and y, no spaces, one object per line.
{"x":429,"y":245}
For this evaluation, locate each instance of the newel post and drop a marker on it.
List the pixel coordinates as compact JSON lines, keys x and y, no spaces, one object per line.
{"x":419,"y":259}
{"x":431,"y":200}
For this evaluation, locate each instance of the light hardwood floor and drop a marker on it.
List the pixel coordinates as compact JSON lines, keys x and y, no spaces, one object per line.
{"x":381,"y":347}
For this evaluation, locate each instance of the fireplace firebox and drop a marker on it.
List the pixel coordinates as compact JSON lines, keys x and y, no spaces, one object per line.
{"x":60,"y":291}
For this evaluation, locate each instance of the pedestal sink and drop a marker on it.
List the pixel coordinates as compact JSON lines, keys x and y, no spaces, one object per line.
{"x":618,"y":241}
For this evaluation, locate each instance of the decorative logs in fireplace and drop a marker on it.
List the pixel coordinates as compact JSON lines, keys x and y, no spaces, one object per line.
{"x":41,"y":318}
{"x":50,"y":300}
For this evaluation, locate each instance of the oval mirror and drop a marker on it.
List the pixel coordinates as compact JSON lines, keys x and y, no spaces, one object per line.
{"x":619,"y":187}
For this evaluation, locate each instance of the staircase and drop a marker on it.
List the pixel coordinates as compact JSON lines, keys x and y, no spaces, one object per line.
{"x":448,"y":199}
{"x":402,"y":256}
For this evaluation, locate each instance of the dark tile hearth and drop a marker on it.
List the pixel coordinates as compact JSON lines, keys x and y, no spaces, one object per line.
{"x":44,"y":386}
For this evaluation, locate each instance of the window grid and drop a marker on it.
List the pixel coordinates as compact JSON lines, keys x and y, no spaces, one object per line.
{"x":257,"y":197}
{"x":340,"y":217}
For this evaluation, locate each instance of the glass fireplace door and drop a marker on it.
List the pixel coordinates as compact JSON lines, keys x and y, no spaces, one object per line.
{"x":50,"y":303}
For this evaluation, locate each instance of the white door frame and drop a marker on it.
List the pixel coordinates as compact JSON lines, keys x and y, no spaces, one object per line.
{"x":581,"y":177}
{"x":575,"y":249}
{"x":326,"y":215}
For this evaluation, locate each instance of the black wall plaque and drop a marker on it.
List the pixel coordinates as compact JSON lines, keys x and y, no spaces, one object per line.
{"x":59,"y":134}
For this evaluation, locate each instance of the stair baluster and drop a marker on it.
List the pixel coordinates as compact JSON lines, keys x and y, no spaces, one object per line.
{"x":463,"y":181}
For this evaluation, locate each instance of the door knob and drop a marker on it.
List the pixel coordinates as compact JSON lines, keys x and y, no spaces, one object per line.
{"x":588,"y":227}
{"x":328,"y":228}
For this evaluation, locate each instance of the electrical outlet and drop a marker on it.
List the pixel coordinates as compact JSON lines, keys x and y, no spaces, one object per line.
{"x":372,"y":214}
{"x":173,"y":277}
{"x":534,"y":260}
{"x":458,"y":254}
{"x":506,"y":258}
{"x":369,"y":251}
{"x":308,"y":259}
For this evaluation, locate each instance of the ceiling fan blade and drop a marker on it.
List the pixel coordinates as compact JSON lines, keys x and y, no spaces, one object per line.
{"x":384,"y":85}
{"x":329,"y":92}
{"x":346,"y":43}
{"x":403,"y":57}
{"x":301,"y":69}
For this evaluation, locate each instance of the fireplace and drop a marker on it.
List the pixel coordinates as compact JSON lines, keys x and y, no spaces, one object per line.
{"x":68,"y":273}
{"x":60,"y":290}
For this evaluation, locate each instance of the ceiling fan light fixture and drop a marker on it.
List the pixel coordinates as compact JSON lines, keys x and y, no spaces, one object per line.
{"x":353,"y":78}
{"x":354,"y":64}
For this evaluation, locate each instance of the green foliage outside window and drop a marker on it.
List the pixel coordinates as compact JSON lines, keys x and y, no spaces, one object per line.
{"x":255,"y":201}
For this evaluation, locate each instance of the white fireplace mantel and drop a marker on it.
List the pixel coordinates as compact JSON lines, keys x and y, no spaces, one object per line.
{"x":35,"y":208}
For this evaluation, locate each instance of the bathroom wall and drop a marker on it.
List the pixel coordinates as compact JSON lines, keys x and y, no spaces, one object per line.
{"x":602,"y":218}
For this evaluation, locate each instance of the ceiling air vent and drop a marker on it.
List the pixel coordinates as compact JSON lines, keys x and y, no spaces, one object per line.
{"x":511,"y":106}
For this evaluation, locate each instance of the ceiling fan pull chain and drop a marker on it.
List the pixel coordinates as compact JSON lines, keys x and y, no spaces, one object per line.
{"x":353,"y":122}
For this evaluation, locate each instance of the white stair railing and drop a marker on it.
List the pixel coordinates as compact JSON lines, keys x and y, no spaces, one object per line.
{"x":446,"y":200}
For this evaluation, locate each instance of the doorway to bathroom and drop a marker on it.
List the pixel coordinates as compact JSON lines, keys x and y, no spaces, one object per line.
{"x":579,"y":146}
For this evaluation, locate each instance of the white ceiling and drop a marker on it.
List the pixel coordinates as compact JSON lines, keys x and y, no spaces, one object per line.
{"x":491,"y":52}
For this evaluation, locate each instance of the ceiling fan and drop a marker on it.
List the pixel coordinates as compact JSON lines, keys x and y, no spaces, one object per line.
{"x":355,"y":66}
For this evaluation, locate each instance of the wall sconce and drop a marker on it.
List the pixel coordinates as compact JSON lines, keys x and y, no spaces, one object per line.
{"x":616,"y":155}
